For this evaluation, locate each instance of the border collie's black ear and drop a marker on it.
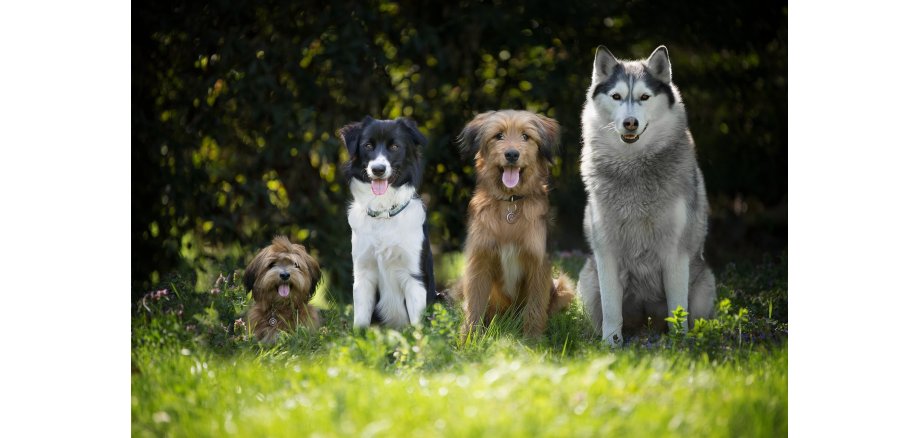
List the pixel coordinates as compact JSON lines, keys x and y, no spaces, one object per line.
{"x":350,"y":133}
{"x":550,"y":136}
{"x":417,"y":136}
{"x":470,"y":138}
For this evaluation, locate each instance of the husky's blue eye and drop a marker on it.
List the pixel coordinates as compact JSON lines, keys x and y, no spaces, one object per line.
{"x":394,"y":147}
{"x":644,"y":97}
{"x":616,"y":96}
{"x":500,"y":136}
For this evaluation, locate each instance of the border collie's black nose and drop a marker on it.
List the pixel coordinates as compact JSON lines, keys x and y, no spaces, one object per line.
{"x":378,"y":169}
{"x":512,"y":155}
{"x":285,"y":275}
{"x":631,"y":124}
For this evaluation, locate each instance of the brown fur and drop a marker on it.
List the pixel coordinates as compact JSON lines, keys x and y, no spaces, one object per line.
{"x":262,"y":277}
{"x":482,"y":286}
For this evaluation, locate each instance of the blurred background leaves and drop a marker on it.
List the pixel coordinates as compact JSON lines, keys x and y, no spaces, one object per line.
{"x":235,"y":105}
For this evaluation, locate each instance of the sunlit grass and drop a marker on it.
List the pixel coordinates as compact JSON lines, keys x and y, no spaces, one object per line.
{"x":194,"y":376}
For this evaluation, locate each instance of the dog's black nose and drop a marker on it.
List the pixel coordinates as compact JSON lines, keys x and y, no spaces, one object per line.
{"x":285,"y":275}
{"x":631,"y":124}
{"x":378,"y":169}
{"x":512,"y":155}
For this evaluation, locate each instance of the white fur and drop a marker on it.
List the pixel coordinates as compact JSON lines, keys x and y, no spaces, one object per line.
{"x":511,"y":269}
{"x":608,"y":274}
{"x":386,"y":253}
{"x":676,"y":264}
{"x":380,"y":159}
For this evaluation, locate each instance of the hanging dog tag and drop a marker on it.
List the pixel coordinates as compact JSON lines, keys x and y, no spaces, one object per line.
{"x":512,"y":216}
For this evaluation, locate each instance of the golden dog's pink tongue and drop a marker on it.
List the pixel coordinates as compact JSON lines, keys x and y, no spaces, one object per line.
{"x":284,"y":290}
{"x":511,"y":176}
{"x":379,"y":186}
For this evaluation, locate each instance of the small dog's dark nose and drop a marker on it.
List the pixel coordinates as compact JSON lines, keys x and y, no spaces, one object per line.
{"x":285,"y":275}
{"x":512,"y":155}
{"x":631,"y":124}
{"x":378,"y":169}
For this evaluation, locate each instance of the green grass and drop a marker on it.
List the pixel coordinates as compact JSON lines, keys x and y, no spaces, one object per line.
{"x":195,"y":374}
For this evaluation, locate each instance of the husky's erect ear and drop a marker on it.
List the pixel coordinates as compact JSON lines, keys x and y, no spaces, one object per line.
{"x":470,"y":138}
{"x":659,"y":65}
{"x":412,"y":127}
{"x":550,"y":136}
{"x":349,"y":134}
{"x":604,"y":61}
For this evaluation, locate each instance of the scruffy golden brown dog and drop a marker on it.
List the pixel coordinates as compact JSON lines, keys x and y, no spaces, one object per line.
{"x":282,"y":278}
{"x":506,"y":262}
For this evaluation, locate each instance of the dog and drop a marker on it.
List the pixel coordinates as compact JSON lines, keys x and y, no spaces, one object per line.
{"x":283,"y":278}
{"x":646,"y":216}
{"x":507,"y":266}
{"x":393,"y":264}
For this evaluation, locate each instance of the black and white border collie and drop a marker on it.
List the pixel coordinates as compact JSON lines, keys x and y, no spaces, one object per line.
{"x":393,"y":266}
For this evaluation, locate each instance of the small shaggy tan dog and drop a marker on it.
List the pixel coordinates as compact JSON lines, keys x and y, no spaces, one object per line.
{"x":282,"y":278}
{"x":506,"y":262}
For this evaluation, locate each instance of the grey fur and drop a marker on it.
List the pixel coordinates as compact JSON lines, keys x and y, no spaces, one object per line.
{"x":639,"y":194}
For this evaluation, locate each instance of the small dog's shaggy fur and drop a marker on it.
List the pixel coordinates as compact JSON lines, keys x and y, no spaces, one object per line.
{"x":282,"y":277}
{"x":506,"y":262}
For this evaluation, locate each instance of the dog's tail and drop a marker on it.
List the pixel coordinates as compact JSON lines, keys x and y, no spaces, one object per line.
{"x":563,"y":294}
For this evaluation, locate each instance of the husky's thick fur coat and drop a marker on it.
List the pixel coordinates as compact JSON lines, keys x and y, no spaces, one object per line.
{"x":647,"y":212}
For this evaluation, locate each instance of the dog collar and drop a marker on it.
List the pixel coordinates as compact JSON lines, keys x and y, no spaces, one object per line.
{"x":386,"y":214}
{"x":513,"y":198}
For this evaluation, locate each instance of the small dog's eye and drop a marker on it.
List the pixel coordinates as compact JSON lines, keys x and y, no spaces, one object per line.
{"x":616,"y":96}
{"x":525,"y":137}
{"x":500,"y":136}
{"x":644,"y":97}
{"x":296,"y":266}
{"x":271,"y":265}
{"x":394,"y":147}
{"x":369,"y":146}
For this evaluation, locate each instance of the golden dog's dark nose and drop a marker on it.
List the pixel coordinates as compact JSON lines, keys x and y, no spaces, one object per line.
{"x":285,"y":275}
{"x":512,"y":155}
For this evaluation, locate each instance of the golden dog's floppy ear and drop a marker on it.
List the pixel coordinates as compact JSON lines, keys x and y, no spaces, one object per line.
{"x":550,"y":136}
{"x":470,"y":138}
{"x":350,"y":133}
{"x":311,"y":267}
{"x":256,"y":266}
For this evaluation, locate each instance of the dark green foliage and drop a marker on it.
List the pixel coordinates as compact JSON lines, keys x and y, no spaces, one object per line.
{"x":235,"y":105}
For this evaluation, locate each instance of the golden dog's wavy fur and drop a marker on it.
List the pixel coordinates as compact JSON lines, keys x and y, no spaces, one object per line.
{"x":482,"y":289}
{"x":263,"y":277}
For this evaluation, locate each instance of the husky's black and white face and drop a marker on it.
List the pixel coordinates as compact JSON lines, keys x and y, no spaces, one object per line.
{"x":632,"y":97}
{"x":383,"y":153}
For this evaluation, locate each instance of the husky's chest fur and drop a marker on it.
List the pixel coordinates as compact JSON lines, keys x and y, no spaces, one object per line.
{"x":640,"y":208}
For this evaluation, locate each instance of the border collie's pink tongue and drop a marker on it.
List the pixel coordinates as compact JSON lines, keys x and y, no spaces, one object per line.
{"x":284,"y":290}
{"x":511,"y":176}
{"x":379,"y":186}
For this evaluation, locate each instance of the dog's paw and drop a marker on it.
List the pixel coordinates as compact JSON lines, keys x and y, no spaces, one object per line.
{"x":615,"y":340}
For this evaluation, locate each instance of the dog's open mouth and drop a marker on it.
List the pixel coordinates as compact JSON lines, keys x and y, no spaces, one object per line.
{"x":284,"y":289}
{"x":511,"y":176}
{"x":379,"y":186}
{"x":632,"y":138}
